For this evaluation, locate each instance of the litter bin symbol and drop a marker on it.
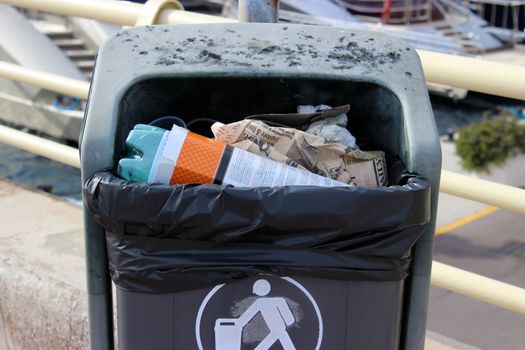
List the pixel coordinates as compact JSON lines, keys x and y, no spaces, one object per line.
{"x":228,"y":334}
{"x":275,"y":312}
{"x":260,"y":313}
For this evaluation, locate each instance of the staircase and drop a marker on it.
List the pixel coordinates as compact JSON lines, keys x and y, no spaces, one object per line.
{"x":468,"y":44}
{"x":72,"y":46}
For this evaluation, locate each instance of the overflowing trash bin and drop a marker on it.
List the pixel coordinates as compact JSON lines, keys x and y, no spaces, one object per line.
{"x":212,"y":266}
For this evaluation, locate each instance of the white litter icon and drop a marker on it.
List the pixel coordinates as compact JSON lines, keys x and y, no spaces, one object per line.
{"x":275,"y":312}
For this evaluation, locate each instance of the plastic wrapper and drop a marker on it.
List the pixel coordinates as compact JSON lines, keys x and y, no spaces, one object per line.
{"x":164,"y":238}
{"x":332,"y":129}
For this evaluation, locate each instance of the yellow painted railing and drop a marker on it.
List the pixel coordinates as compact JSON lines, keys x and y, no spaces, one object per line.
{"x":478,"y":287}
{"x":52,"y":82}
{"x":118,"y":12}
{"x":445,"y":276}
{"x":38,"y":145}
{"x":439,"y":68}
{"x":498,"y":195}
{"x":451,"y":70}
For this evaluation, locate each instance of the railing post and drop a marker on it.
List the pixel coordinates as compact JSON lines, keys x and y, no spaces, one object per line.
{"x":260,"y":11}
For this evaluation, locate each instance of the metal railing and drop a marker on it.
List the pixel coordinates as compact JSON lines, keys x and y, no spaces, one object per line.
{"x":498,"y":195}
{"x":478,"y":287}
{"x":439,"y":68}
{"x":118,"y":12}
{"x":38,"y":145}
{"x":400,"y":12}
{"x":52,"y":82}
{"x":506,"y":6}
{"x":465,"y":73}
{"x":459,"y":281}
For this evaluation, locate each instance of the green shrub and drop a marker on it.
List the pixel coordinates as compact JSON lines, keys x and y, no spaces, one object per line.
{"x":490,"y":142}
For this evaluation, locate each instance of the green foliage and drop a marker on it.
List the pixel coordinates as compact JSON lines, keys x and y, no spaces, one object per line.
{"x":490,"y":142}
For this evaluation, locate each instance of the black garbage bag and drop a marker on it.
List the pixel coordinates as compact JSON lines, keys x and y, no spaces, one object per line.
{"x":164,"y":238}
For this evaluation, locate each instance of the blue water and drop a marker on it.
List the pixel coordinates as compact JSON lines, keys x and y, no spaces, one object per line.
{"x":41,"y":173}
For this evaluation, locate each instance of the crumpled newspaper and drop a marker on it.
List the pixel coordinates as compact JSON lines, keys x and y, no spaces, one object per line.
{"x":306,"y":151}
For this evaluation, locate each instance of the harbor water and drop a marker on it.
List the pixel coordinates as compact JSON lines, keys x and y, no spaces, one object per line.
{"x":40,"y":173}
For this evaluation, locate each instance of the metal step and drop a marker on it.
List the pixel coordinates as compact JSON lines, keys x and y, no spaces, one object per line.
{"x":57,"y":35}
{"x":449,"y":31}
{"x":73,"y":47}
{"x":471,"y":49}
{"x":80,"y":54}
{"x":69,"y":43}
{"x":460,"y":37}
{"x":85,"y":65}
{"x":49,"y":28}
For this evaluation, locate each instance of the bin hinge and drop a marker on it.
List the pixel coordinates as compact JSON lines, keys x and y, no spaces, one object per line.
{"x":152,"y":8}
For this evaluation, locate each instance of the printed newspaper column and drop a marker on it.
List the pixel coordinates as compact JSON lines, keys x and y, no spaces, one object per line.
{"x":302,"y":150}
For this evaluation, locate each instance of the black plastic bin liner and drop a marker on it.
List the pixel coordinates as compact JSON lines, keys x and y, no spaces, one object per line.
{"x":164,"y":238}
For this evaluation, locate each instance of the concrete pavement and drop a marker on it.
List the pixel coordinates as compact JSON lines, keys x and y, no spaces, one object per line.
{"x":493,"y":246}
{"x":42,"y":273}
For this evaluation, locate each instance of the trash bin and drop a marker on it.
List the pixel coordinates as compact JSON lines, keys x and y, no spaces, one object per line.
{"x":211,"y":267}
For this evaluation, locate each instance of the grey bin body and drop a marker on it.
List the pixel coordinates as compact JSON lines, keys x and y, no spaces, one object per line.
{"x":232,"y":70}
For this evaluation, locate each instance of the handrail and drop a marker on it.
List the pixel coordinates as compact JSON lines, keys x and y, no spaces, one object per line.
{"x":489,"y":192}
{"x":492,"y":193}
{"x":478,"y":287}
{"x":38,"y":145}
{"x":444,"y":276}
{"x":474,"y":74}
{"x":439,"y":68}
{"x":118,"y":12}
{"x":53,"y":82}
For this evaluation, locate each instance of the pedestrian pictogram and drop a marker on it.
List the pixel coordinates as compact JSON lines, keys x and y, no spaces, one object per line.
{"x":259,"y":313}
{"x":275,"y":312}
